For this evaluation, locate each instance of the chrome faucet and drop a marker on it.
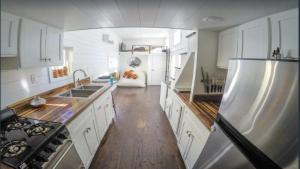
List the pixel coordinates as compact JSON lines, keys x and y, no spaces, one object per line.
{"x":78,"y":82}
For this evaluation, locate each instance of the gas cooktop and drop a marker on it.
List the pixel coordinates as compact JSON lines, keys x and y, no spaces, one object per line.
{"x":26,"y":142}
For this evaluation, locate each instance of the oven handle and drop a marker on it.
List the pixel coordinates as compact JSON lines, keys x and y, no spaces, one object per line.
{"x":65,"y":152}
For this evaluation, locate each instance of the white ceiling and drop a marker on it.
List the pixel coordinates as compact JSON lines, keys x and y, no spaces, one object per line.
{"x":187,"y":14}
{"x":141,"y":33}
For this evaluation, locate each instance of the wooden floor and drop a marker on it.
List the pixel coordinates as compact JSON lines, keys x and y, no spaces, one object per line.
{"x":141,"y":136}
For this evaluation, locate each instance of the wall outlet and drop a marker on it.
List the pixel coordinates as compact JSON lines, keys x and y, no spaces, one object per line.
{"x":33,"y":79}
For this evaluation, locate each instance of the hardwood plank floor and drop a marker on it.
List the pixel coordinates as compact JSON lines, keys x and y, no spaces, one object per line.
{"x":141,"y":136}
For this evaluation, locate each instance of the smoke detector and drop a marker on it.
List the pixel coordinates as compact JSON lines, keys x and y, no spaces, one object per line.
{"x":213,"y":19}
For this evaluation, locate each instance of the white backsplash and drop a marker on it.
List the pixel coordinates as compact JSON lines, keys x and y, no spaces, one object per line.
{"x":90,"y":54}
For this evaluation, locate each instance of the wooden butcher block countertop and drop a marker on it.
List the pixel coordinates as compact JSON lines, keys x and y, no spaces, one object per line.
{"x":58,"y":109}
{"x":206,"y":111}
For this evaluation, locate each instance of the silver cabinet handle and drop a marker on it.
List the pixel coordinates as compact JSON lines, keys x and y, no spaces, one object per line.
{"x":9,"y":33}
{"x":190,"y":145}
{"x":46,"y":34}
{"x":88,"y":129}
{"x":99,"y":107}
{"x":59,"y":47}
{"x":41,"y":37}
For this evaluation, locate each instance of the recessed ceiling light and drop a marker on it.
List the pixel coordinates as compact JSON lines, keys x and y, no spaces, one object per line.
{"x":213,"y":19}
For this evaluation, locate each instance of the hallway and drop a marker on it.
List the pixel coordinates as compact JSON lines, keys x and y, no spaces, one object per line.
{"x":141,"y":136}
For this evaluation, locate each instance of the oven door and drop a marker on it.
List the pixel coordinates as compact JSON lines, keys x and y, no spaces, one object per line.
{"x":67,"y":157}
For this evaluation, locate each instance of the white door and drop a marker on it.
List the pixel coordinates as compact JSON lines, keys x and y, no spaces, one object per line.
{"x":54,"y":47}
{"x":156,"y":68}
{"x":285,"y":33}
{"x":9,"y":35}
{"x":32,"y":44}
{"x":254,"y":39}
{"x":228,"y":41}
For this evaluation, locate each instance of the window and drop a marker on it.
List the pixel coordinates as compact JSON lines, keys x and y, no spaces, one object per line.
{"x":63,"y":72}
{"x":177,"y":37}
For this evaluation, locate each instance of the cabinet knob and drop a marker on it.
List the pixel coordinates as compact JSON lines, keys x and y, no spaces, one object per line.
{"x":49,"y":59}
{"x":213,"y":128}
{"x":88,"y":129}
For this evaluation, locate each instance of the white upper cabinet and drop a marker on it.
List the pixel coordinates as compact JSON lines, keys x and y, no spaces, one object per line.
{"x":9,"y":35}
{"x":285,"y":33}
{"x":54,"y":46}
{"x":32,"y":44}
{"x":257,"y":39}
{"x":40,"y":45}
{"x":254,"y":39}
{"x":228,"y":43}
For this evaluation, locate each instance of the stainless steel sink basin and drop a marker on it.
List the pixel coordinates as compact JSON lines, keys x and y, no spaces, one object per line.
{"x":77,"y":93}
{"x":89,"y":87}
{"x":84,"y":91}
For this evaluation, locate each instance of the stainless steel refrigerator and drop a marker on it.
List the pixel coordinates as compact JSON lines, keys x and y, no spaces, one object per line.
{"x":257,"y":124}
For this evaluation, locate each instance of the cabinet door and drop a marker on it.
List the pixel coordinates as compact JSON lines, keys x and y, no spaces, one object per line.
{"x":9,"y":35}
{"x":100,"y":117}
{"x":54,"y":47}
{"x":108,"y":113}
{"x":228,"y":42}
{"x":168,"y":106}
{"x":82,"y":148}
{"x":184,"y":138}
{"x":32,"y":44}
{"x":192,"y":139}
{"x":90,"y":136}
{"x":175,"y":115}
{"x":193,"y":150}
{"x":163,"y":95}
{"x":254,"y":39}
{"x":83,"y":133}
{"x":285,"y":33}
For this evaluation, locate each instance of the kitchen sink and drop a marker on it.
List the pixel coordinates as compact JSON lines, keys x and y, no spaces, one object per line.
{"x":84,"y":91}
{"x":77,"y":93}
{"x":89,"y":87}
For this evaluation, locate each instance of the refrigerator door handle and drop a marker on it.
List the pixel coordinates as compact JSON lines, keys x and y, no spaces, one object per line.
{"x":251,"y":152}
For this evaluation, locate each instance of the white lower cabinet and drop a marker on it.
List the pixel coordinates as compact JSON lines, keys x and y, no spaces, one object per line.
{"x":83,"y":133}
{"x":88,"y":129}
{"x":193,"y":137}
{"x":190,"y":132}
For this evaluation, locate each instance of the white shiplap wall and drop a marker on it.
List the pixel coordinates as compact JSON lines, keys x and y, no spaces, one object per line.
{"x":90,"y":54}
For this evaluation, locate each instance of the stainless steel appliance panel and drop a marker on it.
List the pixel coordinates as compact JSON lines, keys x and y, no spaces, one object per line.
{"x":220,"y":153}
{"x":261,"y":102}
